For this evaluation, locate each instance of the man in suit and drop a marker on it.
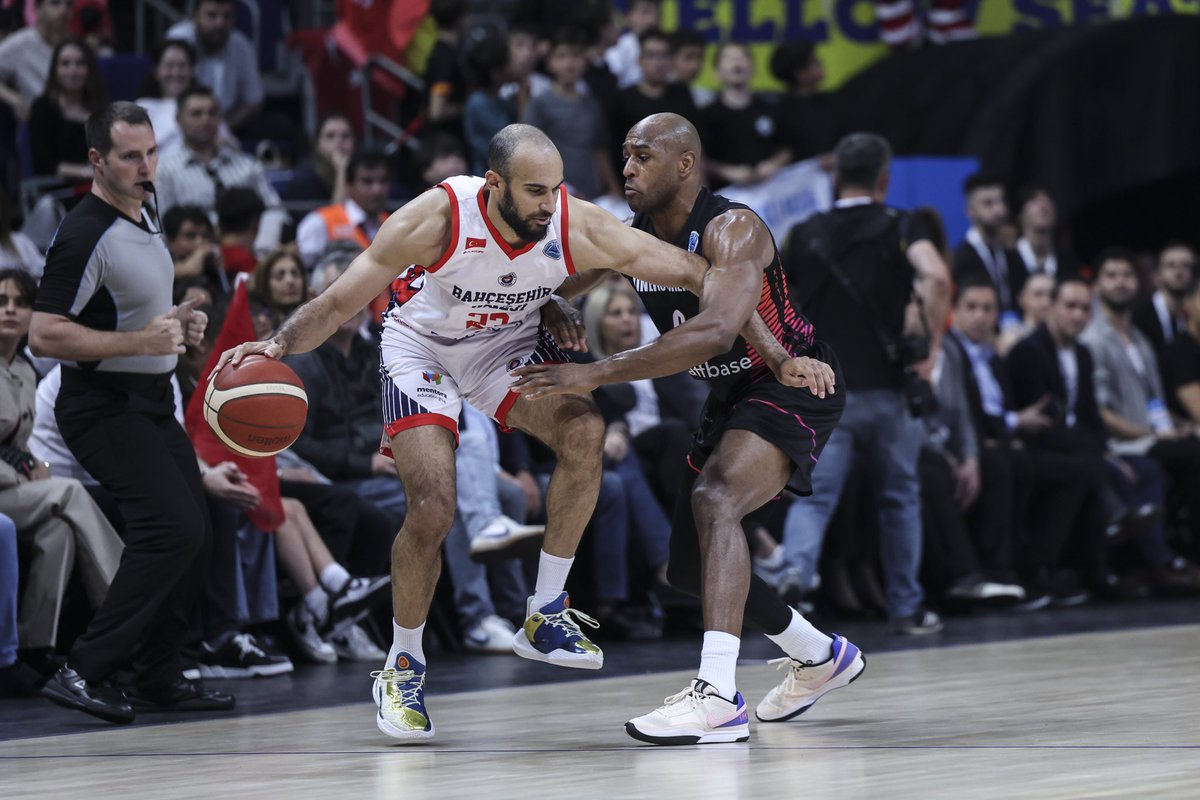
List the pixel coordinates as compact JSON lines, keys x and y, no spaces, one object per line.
{"x":1069,"y":454}
{"x":984,"y":252}
{"x":1160,"y":317}
{"x":1003,"y":467}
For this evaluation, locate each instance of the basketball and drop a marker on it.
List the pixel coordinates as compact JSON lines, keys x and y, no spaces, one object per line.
{"x":257,"y":408}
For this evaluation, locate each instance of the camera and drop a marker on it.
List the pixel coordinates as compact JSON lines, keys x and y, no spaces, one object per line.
{"x":918,"y":395}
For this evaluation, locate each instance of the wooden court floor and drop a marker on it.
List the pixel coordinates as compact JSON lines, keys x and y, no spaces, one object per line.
{"x":1091,"y":715}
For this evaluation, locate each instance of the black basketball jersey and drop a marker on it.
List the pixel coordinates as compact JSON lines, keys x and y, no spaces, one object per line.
{"x":669,"y":307}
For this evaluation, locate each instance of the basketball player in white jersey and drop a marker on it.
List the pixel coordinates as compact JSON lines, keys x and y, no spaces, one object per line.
{"x":490,"y":252}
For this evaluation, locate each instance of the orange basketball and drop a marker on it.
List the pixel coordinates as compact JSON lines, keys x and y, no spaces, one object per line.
{"x":257,"y":408}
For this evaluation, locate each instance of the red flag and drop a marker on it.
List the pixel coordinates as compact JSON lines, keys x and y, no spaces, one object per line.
{"x":238,"y":328}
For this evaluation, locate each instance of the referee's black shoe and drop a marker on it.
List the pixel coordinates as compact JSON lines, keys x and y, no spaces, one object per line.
{"x":182,"y":695}
{"x":68,"y":688}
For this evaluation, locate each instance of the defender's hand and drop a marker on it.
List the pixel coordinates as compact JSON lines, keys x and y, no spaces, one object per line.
{"x":804,"y":372}
{"x":543,"y":380}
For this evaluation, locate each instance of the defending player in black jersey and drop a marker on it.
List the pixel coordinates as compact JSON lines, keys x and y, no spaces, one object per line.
{"x":757,"y":436}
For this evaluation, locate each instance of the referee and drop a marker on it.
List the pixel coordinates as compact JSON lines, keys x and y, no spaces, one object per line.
{"x":104,"y":309}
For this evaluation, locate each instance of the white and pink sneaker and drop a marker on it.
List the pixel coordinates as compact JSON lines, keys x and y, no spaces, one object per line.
{"x":697,"y":715}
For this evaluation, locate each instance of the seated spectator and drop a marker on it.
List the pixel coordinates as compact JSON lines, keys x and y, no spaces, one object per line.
{"x":574,"y":120}
{"x":74,"y":91}
{"x":486,"y":111}
{"x":26,"y":56}
{"x":984,"y":252}
{"x":659,"y":424}
{"x":1035,"y":305}
{"x":1130,"y":394}
{"x":277,"y":288}
{"x":194,"y":250}
{"x":1051,"y":368}
{"x":17,"y":679}
{"x":624,"y":58}
{"x":1038,"y":245}
{"x":358,"y":218}
{"x":688,"y":47}
{"x":741,"y":142}
{"x":17,"y":249}
{"x":239,"y":215}
{"x":56,"y":519}
{"x":805,"y":116}
{"x":174,"y":71}
{"x":1160,"y":317}
{"x":322,"y":177}
{"x":1184,"y":355}
{"x":198,"y":172}
{"x":227,"y":62}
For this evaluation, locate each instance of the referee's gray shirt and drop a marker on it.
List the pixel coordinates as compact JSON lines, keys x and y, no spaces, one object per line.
{"x":107,"y":271}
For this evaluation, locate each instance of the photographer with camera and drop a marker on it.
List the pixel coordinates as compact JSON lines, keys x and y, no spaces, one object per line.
{"x":854,"y":272}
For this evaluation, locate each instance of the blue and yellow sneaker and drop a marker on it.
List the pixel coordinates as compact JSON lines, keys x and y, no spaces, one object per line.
{"x":552,"y":634}
{"x":399,"y":694}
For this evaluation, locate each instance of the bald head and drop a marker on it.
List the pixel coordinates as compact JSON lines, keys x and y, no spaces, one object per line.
{"x":521,"y":145}
{"x":670,"y":132}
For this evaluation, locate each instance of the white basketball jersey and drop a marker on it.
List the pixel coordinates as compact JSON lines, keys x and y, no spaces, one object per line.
{"x":481,"y":282}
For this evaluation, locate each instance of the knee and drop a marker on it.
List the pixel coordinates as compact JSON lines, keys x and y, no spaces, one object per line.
{"x":580,"y":434}
{"x":429,"y":517}
{"x":712,"y":502}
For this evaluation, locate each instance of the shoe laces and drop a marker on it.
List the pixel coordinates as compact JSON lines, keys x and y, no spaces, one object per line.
{"x":248,"y":645}
{"x":409,"y":687}
{"x":691,"y":695}
{"x":568,"y":620}
{"x":794,"y":666}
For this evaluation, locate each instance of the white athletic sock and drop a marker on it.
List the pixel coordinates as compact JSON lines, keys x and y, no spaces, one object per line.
{"x":334,"y":577}
{"x":551,"y":578}
{"x":317,"y":603}
{"x":718,"y":662}
{"x":803,"y":642}
{"x":406,"y":640}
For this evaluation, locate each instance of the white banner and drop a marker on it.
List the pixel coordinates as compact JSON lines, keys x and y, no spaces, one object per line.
{"x":790,"y":196}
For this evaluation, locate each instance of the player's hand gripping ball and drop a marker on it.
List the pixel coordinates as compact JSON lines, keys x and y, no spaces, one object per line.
{"x":257,"y":408}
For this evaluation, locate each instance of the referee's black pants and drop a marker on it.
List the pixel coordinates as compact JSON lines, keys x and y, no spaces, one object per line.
{"x":122,"y":429}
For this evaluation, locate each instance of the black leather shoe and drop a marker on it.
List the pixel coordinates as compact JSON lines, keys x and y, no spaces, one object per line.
{"x":69,"y":689}
{"x":182,"y":695}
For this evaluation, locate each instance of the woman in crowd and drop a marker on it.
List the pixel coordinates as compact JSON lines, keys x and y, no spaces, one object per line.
{"x":279,"y":285}
{"x":74,"y":91}
{"x":55,"y":517}
{"x":322,"y":178}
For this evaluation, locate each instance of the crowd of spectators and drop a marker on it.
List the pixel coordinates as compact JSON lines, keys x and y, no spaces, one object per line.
{"x":1054,"y":463}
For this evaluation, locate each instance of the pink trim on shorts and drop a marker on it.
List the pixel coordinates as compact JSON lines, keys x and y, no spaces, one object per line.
{"x":812,"y":452}
{"x":416,"y":421}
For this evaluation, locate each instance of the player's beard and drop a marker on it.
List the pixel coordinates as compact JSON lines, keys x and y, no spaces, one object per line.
{"x":523,"y":227}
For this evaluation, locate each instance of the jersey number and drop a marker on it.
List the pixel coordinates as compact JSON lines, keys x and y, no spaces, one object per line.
{"x":478,"y":320}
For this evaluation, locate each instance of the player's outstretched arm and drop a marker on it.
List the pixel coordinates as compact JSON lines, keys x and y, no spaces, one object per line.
{"x":729,"y":294}
{"x":418,"y":233}
{"x":598,"y":240}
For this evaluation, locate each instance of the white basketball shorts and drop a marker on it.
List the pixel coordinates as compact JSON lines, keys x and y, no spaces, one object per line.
{"x":426,"y":378}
